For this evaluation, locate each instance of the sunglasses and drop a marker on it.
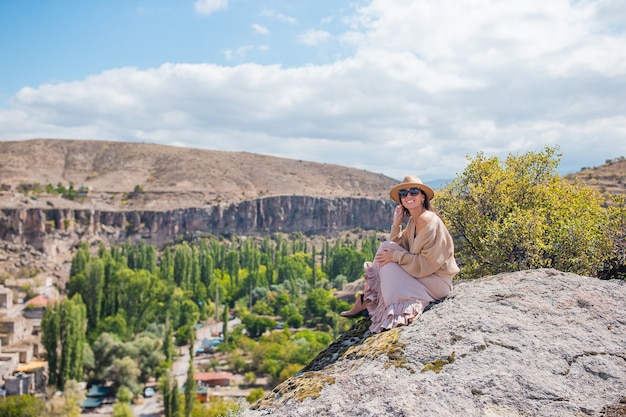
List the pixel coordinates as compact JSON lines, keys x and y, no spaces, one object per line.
{"x":413,"y":191}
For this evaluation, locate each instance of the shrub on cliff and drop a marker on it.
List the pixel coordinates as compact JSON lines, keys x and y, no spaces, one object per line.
{"x":519,"y":214}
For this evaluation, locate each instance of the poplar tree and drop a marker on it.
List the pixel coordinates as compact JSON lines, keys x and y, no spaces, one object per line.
{"x":63,"y":336}
{"x":168,"y":348}
{"x":182,"y":266}
{"x":92,"y":293}
{"x":80,"y":260}
{"x":169,"y":390}
{"x":50,"y":335}
{"x":190,"y":383}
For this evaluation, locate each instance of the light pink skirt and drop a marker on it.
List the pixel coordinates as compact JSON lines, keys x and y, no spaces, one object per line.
{"x":396,"y":298}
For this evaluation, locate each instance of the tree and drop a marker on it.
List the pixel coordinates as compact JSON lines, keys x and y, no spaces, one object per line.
{"x":122,"y":408}
{"x":171,"y":401}
{"x":68,"y":404}
{"x":256,"y":326}
{"x":63,"y":336}
{"x":295,"y":267}
{"x":295,"y":321}
{"x":124,"y":372}
{"x":105,"y":349}
{"x":345,"y":261}
{"x":225,"y":317}
{"x":249,"y":378}
{"x":149,"y":355}
{"x":92,"y":292}
{"x":22,"y":406}
{"x":80,"y":260}
{"x":140,"y":294}
{"x":288,"y":371}
{"x":216,"y":407}
{"x":520,"y":215}
{"x":182,"y":265}
{"x":254,"y":395}
{"x":50,"y":334}
{"x":318,"y":302}
{"x":168,"y":348}
{"x":615,"y":265}
{"x":190,"y":383}
{"x":115,"y":324}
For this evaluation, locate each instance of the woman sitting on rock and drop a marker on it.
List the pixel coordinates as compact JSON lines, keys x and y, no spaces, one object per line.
{"x":414,"y":268}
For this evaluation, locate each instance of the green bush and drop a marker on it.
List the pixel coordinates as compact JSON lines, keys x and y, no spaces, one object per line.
{"x":519,"y":214}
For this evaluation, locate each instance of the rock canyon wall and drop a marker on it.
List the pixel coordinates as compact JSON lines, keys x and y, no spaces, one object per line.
{"x":40,"y":228}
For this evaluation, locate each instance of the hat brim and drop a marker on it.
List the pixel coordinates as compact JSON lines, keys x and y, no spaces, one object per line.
{"x":393,"y":193}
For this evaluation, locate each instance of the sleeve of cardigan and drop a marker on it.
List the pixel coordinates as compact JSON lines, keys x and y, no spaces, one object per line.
{"x":399,"y":237}
{"x":434,"y":250}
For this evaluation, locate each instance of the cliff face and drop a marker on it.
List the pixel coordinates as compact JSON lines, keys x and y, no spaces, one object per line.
{"x":530,"y":343}
{"x":38,"y":226}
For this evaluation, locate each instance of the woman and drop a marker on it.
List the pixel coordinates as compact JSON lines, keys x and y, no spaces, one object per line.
{"x":414,"y":268}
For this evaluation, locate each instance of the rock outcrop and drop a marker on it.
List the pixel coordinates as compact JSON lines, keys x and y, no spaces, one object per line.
{"x":40,"y":227}
{"x":531,"y":343}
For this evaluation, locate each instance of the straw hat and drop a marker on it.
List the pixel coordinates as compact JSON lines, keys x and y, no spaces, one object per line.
{"x":411,"y":181}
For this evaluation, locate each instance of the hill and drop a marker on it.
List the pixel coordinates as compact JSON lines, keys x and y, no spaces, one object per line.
{"x":608,"y":178}
{"x":172,"y":177}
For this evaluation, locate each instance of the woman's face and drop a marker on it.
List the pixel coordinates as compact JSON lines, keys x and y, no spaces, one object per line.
{"x":413,"y":198}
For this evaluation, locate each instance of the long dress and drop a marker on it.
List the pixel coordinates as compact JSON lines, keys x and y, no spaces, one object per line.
{"x":421,"y":273}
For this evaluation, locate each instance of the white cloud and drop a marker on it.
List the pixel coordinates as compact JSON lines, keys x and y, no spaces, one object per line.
{"x":313,"y":37}
{"x":261,"y":30}
{"x":240,"y":54}
{"x":207,"y":7}
{"x":430,"y":83}
{"x":279,"y":16}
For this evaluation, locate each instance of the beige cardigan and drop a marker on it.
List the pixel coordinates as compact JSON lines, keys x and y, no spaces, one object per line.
{"x":431,"y":252}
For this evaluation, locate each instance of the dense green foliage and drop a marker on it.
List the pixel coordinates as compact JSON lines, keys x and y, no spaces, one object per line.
{"x":22,"y":405}
{"x":65,"y":405}
{"x":519,"y":214}
{"x":63,"y":337}
{"x":136,"y":303}
{"x":615,"y":264}
{"x":66,"y":191}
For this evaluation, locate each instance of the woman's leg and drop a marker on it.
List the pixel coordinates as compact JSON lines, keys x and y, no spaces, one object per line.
{"x":397,"y":297}
{"x":371,"y":295}
{"x":359,"y":306}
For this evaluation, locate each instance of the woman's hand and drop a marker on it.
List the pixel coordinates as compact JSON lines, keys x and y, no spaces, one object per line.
{"x":384,"y":256}
{"x":398,"y":214}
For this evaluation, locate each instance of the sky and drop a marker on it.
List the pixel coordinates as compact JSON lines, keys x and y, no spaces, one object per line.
{"x":397,"y":87}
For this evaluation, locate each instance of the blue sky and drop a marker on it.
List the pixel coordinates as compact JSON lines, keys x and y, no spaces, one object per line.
{"x":391,"y":86}
{"x":48,"y":41}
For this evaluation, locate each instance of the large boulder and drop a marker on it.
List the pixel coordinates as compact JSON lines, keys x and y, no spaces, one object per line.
{"x":530,"y":343}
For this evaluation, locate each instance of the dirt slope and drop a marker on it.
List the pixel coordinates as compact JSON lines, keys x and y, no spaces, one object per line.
{"x":172,"y":177}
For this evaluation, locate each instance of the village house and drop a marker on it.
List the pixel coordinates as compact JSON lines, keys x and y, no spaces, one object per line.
{"x":36,"y":306}
{"x":213,"y":379}
{"x":21,"y":368}
{"x":14,"y":329}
